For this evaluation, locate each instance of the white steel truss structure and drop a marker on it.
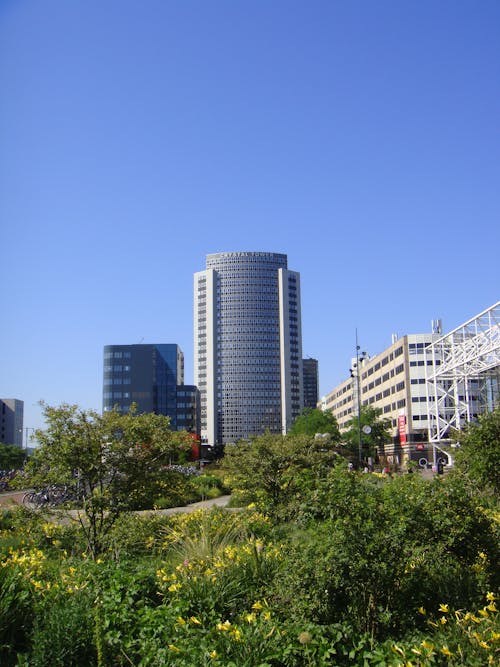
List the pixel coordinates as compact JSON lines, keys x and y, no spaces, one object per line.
{"x":464,"y":378}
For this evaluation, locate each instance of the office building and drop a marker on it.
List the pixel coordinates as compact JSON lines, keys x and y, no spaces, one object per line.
{"x":393,"y":381}
{"x":152,"y":377}
{"x":11,"y":421}
{"x":247,"y":345}
{"x":311,"y":382}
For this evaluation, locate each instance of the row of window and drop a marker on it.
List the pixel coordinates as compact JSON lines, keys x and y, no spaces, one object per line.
{"x":117,"y":355}
{"x":116,"y":369}
{"x":422,"y":363}
{"x":108,"y":381}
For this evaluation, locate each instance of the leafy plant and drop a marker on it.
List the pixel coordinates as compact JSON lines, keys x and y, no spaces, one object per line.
{"x":114,"y":462}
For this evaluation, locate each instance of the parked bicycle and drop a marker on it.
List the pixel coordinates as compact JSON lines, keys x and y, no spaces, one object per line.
{"x":50,"y":496}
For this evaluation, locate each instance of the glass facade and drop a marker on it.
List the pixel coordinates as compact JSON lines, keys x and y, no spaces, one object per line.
{"x":311,"y":382}
{"x":151,"y":377}
{"x":246,"y":338}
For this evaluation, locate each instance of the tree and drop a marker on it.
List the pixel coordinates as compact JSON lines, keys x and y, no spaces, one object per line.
{"x":312,"y":421}
{"x":11,"y":457}
{"x":479,"y":452}
{"x":271,"y":468}
{"x":373,"y":432}
{"x":111,"y":461}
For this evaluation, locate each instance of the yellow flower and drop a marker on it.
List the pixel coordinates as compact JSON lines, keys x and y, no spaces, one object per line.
{"x":194,"y":620}
{"x":490,"y":597}
{"x":422,"y":611}
{"x":266,"y":615}
{"x":443,"y":620}
{"x":483,"y":644}
{"x":213,"y":654}
{"x":427,"y":645}
{"x":180,"y":621}
{"x":250,"y":618}
{"x":257,"y":606}
{"x":236,"y":633}
{"x":174,"y":587}
{"x":491,"y":607}
{"x":223,"y":626}
{"x":443,"y":608}
{"x":446,"y":651}
{"x":484,"y":612}
{"x":173,"y":647}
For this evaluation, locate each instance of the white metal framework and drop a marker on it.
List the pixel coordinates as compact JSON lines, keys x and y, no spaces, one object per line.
{"x":464,"y":377}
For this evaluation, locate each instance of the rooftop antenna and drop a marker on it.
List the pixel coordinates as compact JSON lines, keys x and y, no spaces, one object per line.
{"x":437,"y":326}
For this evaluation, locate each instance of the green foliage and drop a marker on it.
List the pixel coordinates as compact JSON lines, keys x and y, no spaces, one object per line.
{"x":366,"y":571}
{"x":208,"y":486}
{"x":377,"y":551}
{"x":114,"y":462}
{"x":479,"y":452}
{"x":15,"y":615}
{"x":312,"y":421}
{"x":63,"y":632}
{"x":271,"y":469}
{"x":24,"y":528}
{"x":379,"y":435}
{"x":11,"y":457}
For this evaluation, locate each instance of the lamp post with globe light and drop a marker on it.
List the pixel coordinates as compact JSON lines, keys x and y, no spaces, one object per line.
{"x":360,"y":357}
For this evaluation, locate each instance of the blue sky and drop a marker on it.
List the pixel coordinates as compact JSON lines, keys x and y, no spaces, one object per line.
{"x":360,"y":138}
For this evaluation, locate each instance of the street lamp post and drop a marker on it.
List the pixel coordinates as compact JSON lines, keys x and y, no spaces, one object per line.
{"x":27,"y":429}
{"x":355,"y":375}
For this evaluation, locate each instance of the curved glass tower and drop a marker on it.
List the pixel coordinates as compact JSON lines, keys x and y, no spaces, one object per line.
{"x":248,"y":348}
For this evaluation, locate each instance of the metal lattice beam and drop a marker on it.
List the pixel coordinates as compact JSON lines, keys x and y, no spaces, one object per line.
{"x":464,"y":378}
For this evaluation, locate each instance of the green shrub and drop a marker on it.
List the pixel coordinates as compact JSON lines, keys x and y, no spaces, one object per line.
{"x":174,"y":490}
{"x":63,"y":632}
{"x":385,"y":550}
{"x":136,"y":535}
{"x":15,"y":614}
{"x":55,"y":533}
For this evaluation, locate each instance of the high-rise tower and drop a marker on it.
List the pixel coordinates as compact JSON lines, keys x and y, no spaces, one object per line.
{"x":247,"y":345}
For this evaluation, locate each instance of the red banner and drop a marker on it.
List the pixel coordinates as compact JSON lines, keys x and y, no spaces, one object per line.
{"x":402,"y":429}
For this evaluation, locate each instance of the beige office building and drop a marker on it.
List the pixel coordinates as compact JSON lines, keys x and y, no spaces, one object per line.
{"x":393,"y":381}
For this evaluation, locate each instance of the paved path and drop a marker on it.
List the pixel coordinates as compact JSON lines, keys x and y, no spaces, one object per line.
{"x":10,"y":498}
{"x":221,"y":501}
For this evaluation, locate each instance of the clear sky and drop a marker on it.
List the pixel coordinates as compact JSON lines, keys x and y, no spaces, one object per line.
{"x":360,"y":138}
